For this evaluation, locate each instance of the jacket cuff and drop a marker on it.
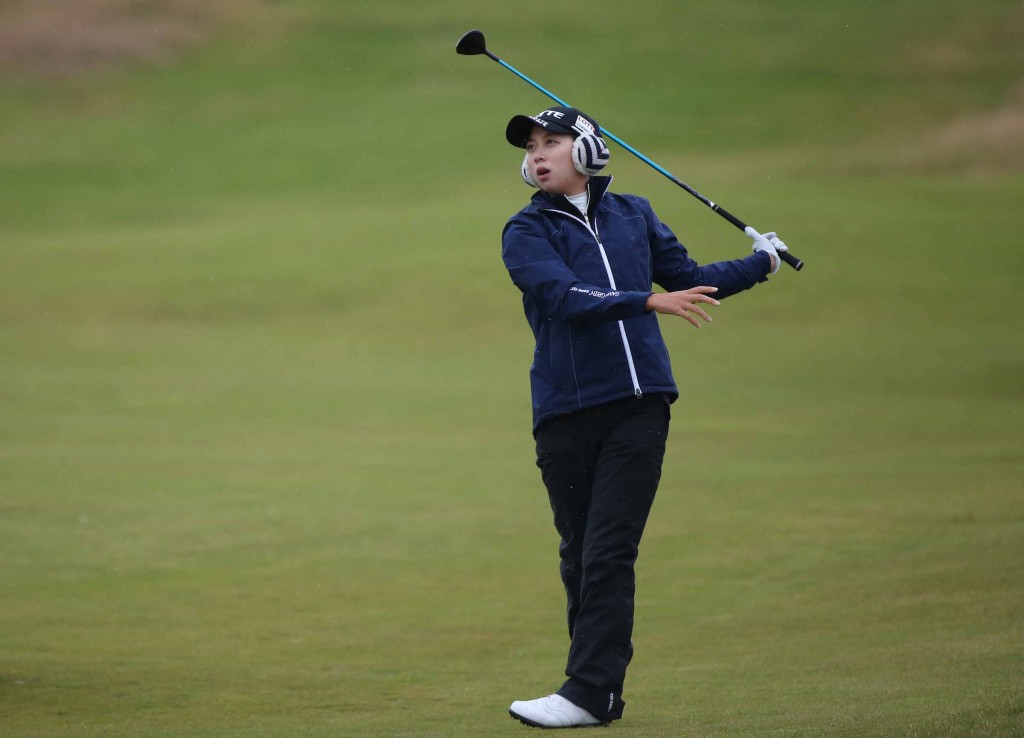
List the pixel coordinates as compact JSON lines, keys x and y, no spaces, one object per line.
{"x":641,"y":304}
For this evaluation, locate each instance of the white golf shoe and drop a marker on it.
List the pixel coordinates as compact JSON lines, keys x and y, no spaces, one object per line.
{"x":553,"y":711}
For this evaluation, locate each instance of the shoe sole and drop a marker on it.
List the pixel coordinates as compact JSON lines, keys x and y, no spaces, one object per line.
{"x":532,"y":724}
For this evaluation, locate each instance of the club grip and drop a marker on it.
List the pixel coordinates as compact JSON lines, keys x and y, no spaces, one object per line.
{"x":794,"y":262}
{"x":787,"y":257}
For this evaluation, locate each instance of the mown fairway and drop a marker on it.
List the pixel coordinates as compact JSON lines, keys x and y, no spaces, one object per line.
{"x":265,"y":455}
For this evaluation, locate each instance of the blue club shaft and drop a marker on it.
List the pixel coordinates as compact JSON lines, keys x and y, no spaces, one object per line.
{"x":785,"y":255}
{"x":612,"y":136}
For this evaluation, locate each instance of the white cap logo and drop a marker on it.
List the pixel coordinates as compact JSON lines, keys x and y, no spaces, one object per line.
{"x":583,"y":125}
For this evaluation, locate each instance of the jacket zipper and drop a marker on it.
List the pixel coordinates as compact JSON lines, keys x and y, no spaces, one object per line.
{"x":611,"y":281}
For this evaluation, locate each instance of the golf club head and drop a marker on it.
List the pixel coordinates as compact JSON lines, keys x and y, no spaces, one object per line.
{"x":472,"y":43}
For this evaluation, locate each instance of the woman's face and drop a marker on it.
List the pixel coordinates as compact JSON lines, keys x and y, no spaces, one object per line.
{"x":549,"y":160}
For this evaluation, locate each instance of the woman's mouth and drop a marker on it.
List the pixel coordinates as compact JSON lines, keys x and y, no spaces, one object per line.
{"x":542,"y":172}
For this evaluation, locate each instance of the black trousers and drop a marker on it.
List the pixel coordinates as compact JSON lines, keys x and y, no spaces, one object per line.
{"x":601,"y":467}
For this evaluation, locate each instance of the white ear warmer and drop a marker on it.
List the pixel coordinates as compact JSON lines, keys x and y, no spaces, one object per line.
{"x":589,"y":154}
{"x":527,"y":177}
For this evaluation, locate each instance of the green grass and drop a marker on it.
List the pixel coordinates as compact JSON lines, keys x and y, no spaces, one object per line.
{"x":265,"y":461}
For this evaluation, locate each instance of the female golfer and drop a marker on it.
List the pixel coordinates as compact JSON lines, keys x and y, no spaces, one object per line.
{"x":585,"y":260}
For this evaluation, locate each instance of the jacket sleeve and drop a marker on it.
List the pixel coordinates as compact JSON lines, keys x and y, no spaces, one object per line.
{"x":542,"y":275}
{"x":675,"y":270}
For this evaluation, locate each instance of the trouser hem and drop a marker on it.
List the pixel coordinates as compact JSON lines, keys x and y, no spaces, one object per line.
{"x":604,"y":704}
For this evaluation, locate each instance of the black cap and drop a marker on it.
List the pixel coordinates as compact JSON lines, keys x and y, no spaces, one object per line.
{"x":559,"y":120}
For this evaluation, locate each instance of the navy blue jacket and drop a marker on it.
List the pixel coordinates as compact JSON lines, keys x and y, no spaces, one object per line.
{"x":585,"y":284}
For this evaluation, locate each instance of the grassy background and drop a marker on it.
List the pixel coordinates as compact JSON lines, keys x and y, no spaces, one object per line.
{"x":265,"y":457}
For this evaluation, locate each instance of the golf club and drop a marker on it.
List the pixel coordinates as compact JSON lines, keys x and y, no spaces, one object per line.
{"x":472,"y":43}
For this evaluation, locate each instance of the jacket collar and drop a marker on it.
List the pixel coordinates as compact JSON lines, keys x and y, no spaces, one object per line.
{"x":598,"y":186}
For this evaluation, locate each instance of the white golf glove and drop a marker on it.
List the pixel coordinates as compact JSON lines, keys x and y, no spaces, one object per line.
{"x":767,"y":242}
{"x":776,"y":241}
